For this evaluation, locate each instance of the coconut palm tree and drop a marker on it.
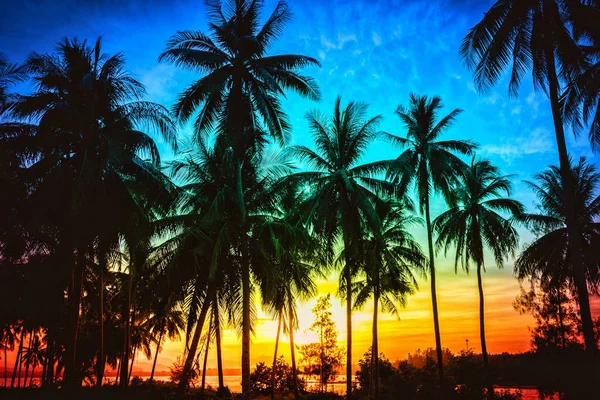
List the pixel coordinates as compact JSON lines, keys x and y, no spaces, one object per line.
{"x":533,"y":35}
{"x":33,"y":355}
{"x":89,"y":146}
{"x":10,"y":75}
{"x":390,"y":256}
{"x":475,"y":221}
{"x":238,"y":94}
{"x":433,"y":166}
{"x":549,"y":257}
{"x":341,"y":189}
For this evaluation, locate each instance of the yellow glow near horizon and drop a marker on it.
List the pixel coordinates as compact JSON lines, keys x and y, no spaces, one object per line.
{"x":506,"y":330}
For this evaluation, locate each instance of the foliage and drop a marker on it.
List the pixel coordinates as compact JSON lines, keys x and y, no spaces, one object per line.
{"x":386,"y":371}
{"x":323,"y":358}
{"x":261,"y":379}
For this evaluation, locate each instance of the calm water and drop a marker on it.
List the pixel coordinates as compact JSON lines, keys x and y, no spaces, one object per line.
{"x":234,"y":383}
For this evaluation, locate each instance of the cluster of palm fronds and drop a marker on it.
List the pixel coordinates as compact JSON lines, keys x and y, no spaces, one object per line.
{"x":106,"y":251}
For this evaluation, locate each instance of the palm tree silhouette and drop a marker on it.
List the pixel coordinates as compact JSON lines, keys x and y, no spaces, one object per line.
{"x":238,"y":95}
{"x":432,"y":166}
{"x":390,"y":255}
{"x":340,"y":191}
{"x":535,"y":35}
{"x":474,"y":222}
{"x":89,"y":146}
{"x":549,"y":257}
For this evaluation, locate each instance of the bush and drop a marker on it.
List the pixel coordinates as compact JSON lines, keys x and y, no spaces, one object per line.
{"x":261,"y":378}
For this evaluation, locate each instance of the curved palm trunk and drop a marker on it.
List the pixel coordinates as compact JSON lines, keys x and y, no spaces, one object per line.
{"x":275,"y":359}
{"x":484,"y":352}
{"x":293,"y":350}
{"x":162,"y":331}
{"x":191,"y":354}
{"x":571,"y":220}
{"x":210,"y":322}
{"x":218,"y":343}
{"x":436,"y":321}
{"x":348,"y":279}
{"x":374,"y":386}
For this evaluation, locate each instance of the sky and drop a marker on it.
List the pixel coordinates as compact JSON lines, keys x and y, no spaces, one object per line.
{"x":377,"y":52}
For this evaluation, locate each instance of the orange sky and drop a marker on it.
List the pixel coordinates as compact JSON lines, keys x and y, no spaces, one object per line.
{"x":458,"y":306}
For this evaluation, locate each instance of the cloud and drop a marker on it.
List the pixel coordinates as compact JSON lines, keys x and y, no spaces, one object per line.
{"x":159,"y":82}
{"x":539,"y":141}
{"x":342,"y":39}
{"x":376,"y":39}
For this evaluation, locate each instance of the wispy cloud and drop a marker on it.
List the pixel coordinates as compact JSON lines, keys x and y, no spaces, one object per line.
{"x":539,"y":141}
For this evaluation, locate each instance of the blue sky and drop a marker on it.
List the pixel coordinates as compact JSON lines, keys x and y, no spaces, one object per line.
{"x":377,"y":52}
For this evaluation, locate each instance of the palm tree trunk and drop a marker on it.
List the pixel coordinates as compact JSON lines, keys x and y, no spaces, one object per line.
{"x":210,"y":322}
{"x":436,"y":321}
{"x":293,"y":349}
{"x":131,"y":365}
{"x":27,"y":363}
{"x":32,"y":373}
{"x":218,"y":339}
{"x":275,"y":358}
{"x":374,"y":386}
{"x":348,"y":280}
{"x":5,"y":367}
{"x":191,"y":355}
{"x":245,"y":327}
{"x":17,"y":359}
{"x":571,"y":220}
{"x":49,"y":375}
{"x":127,"y":316}
{"x":561,"y":320}
{"x":118,"y":371}
{"x":162,"y":331}
{"x":71,"y":377}
{"x":484,"y":353}
{"x":101,"y":360}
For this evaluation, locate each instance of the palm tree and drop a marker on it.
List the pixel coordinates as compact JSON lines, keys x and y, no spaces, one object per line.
{"x":535,"y":35}
{"x":390,"y":254}
{"x":340,"y":189}
{"x":237,"y":95}
{"x":548,"y":259}
{"x":9,"y":337}
{"x":33,"y":355}
{"x":10,"y":74}
{"x":433,"y":167}
{"x":475,"y":221}
{"x":89,"y":145}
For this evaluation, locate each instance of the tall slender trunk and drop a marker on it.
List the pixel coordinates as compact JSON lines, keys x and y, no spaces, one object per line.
{"x":293,"y":349}
{"x":133,"y":354}
{"x":374,"y":386}
{"x":218,"y":340}
{"x":245,"y":327}
{"x":32,"y":373}
{"x":101,"y":360}
{"x":191,"y":354}
{"x":561,"y":321}
{"x":118,"y":371}
{"x":208,"y":334}
{"x":348,"y":251}
{"x":17,"y":359}
{"x":71,"y":376}
{"x":274,"y":374}
{"x":436,"y":321}
{"x":484,"y":353}
{"x":571,"y":219}
{"x":49,"y":376}
{"x":160,"y":336}
{"x":5,"y":366}
{"x":27,"y":363}
{"x":127,"y":316}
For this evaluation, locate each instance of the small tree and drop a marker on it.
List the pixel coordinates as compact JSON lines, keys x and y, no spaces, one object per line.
{"x":386,"y":370}
{"x":322,"y":358}
{"x":261,"y":378}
